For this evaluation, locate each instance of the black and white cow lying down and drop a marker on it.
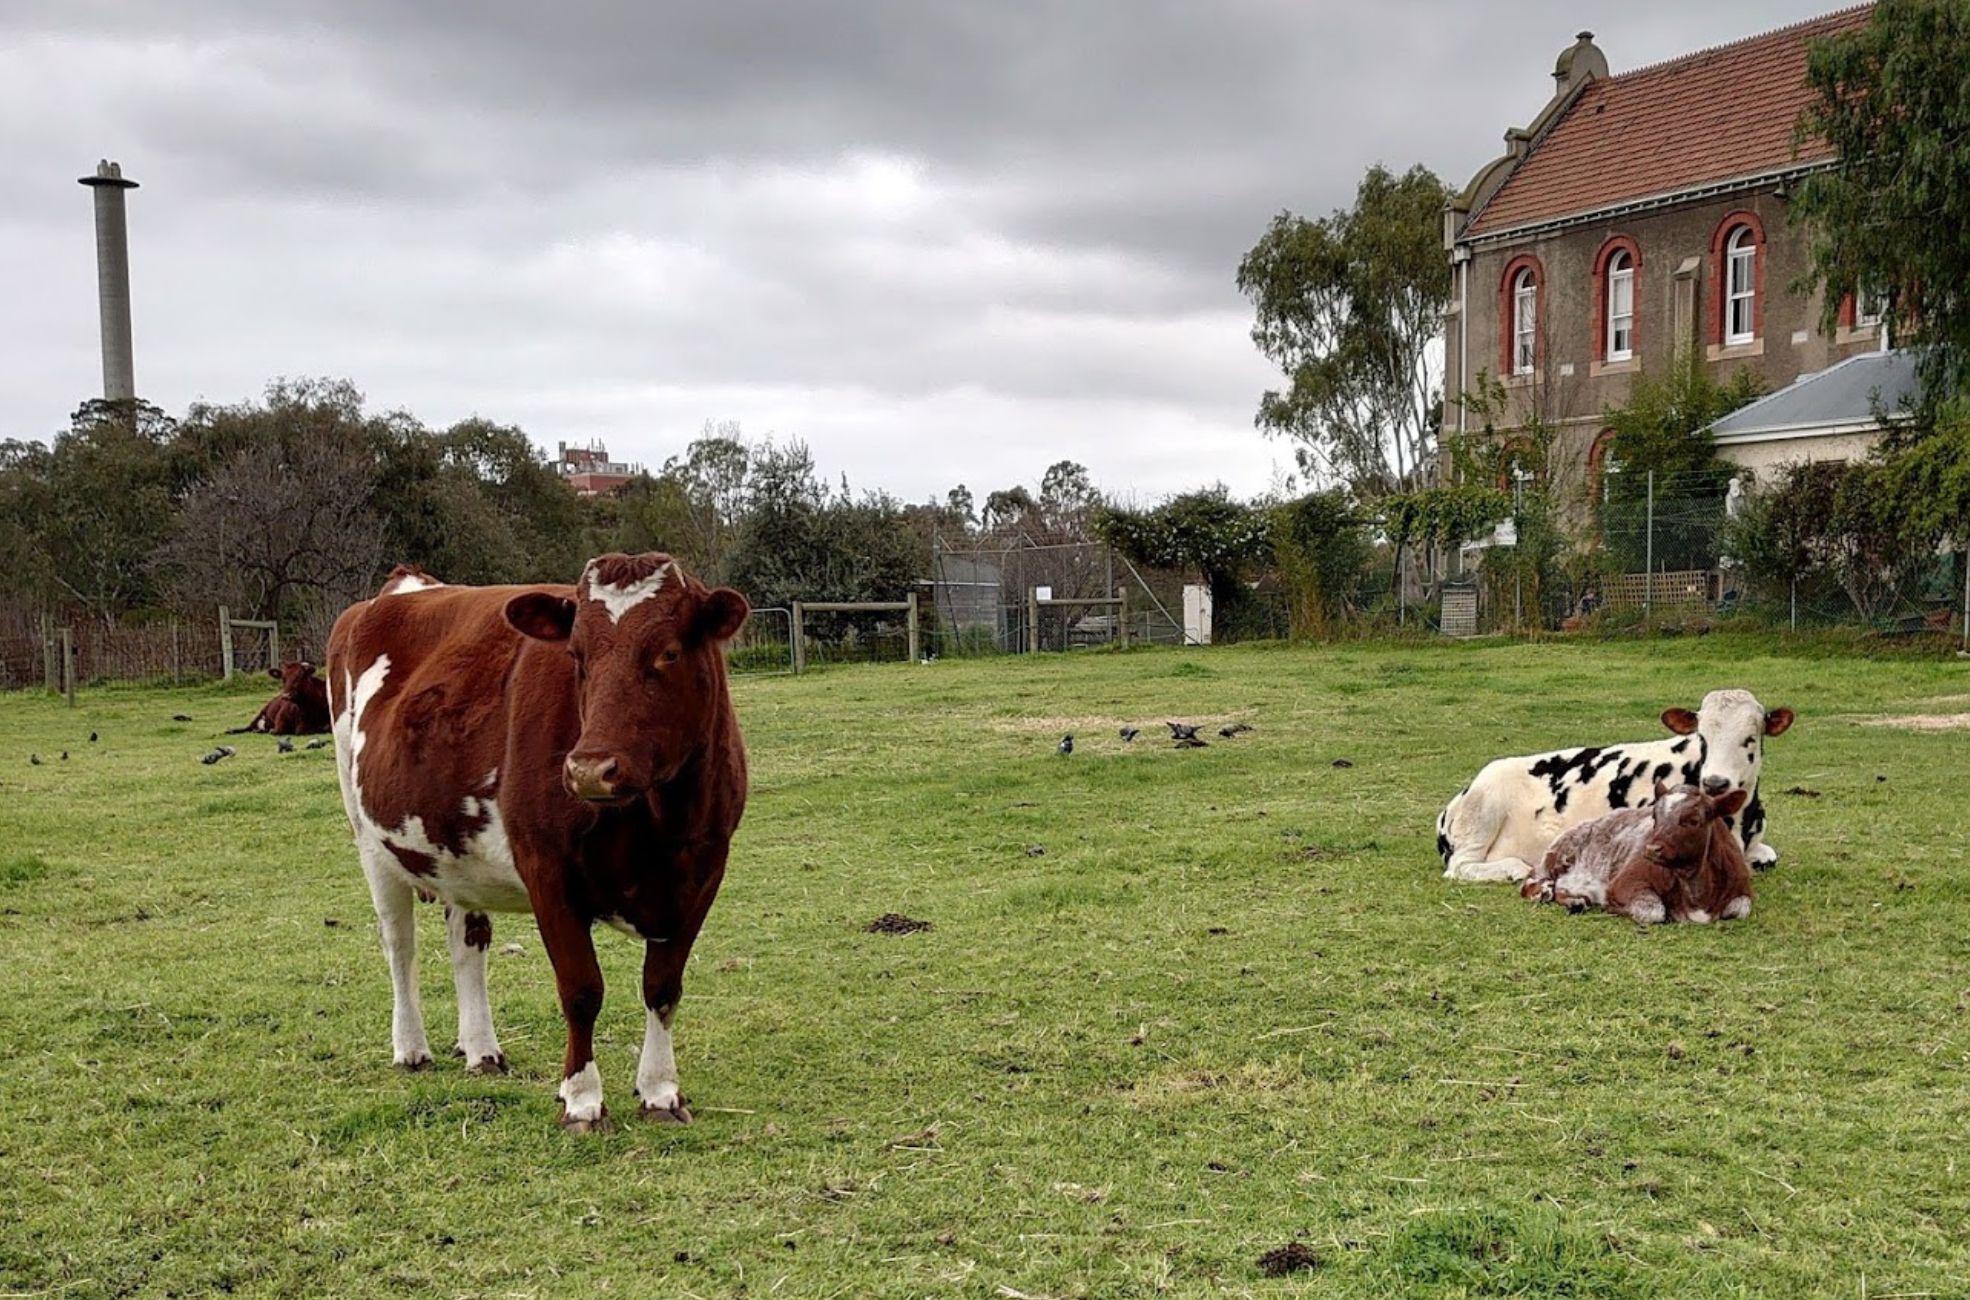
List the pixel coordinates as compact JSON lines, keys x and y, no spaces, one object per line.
{"x":1503,"y":821}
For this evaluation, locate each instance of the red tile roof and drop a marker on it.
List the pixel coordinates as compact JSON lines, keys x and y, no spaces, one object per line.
{"x":1711,"y":116}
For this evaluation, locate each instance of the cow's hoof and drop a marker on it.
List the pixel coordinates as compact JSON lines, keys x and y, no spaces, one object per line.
{"x":674,"y":1113}
{"x":493,"y":1064}
{"x":600,"y":1124}
{"x":413,"y":1061}
{"x":1765,"y":866}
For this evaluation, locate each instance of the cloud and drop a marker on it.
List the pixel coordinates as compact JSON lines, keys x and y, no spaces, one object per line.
{"x":940,"y":241}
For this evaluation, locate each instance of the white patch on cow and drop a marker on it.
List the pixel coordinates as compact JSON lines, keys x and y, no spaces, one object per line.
{"x":1647,"y":909}
{"x":1735,"y":910}
{"x":1675,"y":801}
{"x":656,"y":1069}
{"x":407,"y":583}
{"x":619,"y":600}
{"x":1697,"y":916}
{"x":477,"y":1042}
{"x":618,"y":924}
{"x":581,"y":1094}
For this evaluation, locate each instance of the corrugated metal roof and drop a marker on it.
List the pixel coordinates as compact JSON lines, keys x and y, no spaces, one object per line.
{"x":1845,"y":394}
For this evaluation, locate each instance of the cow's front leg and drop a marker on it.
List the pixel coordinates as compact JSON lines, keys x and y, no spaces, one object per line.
{"x":470,"y":934}
{"x":656,"y":1069}
{"x":578,"y":978}
{"x":1761,"y":856}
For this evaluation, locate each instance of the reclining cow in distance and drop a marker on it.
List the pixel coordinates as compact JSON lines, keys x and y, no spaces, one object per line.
{"x":1674,"y":860}
{"x":299,"y":708}
{"x":569,"y":751}
{"x":1503,"y":821}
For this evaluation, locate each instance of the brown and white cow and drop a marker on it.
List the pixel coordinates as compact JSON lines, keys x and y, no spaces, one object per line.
{"x":569,"y":751}
{"x":299,"y":708}
{"x":1677,"y":859}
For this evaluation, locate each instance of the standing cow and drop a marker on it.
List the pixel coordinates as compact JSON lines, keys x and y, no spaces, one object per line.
{"x":569,"y":751}
{"x":1503,"y":821}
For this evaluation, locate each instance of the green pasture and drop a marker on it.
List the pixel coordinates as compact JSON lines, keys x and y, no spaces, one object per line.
{"x":1176,"y":1011}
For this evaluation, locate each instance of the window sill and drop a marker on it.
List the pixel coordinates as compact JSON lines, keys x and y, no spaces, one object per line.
{"x":1526,"y":380}
{"x":1849,"y":334}
{"x":1732,"y":351}
{"x":1626,"y":366}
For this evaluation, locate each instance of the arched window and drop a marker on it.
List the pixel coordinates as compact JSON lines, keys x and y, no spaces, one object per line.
{"x":1741,"y":286}
{"x":1620,"y":306}
{"x":1525,"y":321}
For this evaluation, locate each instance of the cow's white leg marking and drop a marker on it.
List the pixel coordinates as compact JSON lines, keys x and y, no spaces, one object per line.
{"x":656,"y":1071}
{"x":1698,"y":916}
{"x":581,"y":1096}
{"x":1647,"y":910}
{"x":1467,"y":867}
{"x":1762,"y":855}
{"x":1735,"y":910}
{"x":476,"y":1041}
{"x":397,"y":926}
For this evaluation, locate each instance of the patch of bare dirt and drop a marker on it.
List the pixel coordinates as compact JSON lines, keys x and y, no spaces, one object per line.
{"x":1925,"y":722}
{"x":896,"y":923}
{"x":1293,"y":1257}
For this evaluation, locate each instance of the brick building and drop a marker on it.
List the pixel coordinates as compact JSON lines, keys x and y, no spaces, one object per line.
{"x":590,"y":472}
{"x":1637,"y":216}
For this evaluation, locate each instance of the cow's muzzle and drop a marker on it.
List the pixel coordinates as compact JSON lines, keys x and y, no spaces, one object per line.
{"x":1716,"y":785}
{"x":594,"y":777}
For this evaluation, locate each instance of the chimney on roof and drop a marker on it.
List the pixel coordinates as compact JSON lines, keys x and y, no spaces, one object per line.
{"x":1578,"y":62}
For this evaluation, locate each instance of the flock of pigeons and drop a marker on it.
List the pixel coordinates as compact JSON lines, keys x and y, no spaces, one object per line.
{"x":1182,"y":735}
{"x":286,"y":746}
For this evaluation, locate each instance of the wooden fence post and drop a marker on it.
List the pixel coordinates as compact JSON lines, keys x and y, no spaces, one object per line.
{"x":49,"y":678}
{"x":1122,"y":615}
{"x":916,"y":639}
{"x":68,"y":665}
{"x":226,"y":643}
{"x":1032,"y":620}
{"x":177,"y":673}
{"x":799,"y":642}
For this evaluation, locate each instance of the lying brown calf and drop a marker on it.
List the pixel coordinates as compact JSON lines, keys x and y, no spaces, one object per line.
{"x":299,"y":708}
{"x":1675,"y":860}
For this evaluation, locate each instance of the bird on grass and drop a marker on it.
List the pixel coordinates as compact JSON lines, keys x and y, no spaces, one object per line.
{"x":286,"y":745}
{"x":224,"y":751}
{"x":1178,"y":731}
{"x":34,"y":760}
{"x":1191,"y":741}
{"x":1067,"y":743}
{"x":1129,"y":734}
{"x":92,"y":737}
{"x":64,"y":756}
{"x":1235,"y":729}
{"x":181,"y":717}
{"x":317,"y":743}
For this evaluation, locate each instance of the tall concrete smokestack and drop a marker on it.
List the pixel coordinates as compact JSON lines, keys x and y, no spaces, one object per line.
{"x":113,"y":279}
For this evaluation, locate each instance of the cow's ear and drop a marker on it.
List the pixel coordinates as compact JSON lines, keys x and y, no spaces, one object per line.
{"x":1730,"y":804}
{"x":307,"y":669}
{"x":274,"y":672}
{"x":1777,"y":721}
{"x":1680,"y":721}
{"x":541,"y":615}
{"x":721,"y":615}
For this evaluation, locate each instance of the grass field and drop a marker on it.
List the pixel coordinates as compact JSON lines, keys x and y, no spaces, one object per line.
{"x":1176,"y":1010}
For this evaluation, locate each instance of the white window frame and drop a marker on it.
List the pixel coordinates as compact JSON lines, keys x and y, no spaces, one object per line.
{"x":1869,"y":308}
{"x":1741,"y":285}
{"x":1525,"y":321}
{"x":1620,"y":276}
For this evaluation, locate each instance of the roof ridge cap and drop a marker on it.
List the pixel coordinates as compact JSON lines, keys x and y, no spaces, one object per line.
{"x":1722,"y":46}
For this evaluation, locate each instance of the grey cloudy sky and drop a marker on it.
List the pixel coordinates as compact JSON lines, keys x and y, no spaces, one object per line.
{"x":942,"y":242}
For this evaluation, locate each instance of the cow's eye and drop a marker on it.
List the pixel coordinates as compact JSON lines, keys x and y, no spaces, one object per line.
{"x":670,"y":656}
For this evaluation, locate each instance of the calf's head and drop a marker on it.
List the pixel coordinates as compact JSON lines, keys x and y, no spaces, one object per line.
{"x":646,"y":641}
{"x":1680,"y":821}
{"x":292,"y":678}
{"x":1731,"y":726}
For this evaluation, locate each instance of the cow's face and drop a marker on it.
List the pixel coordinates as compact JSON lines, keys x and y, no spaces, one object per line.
{"x":1679,"y":826}
{"x":292,"y":677}
{"x":1732,"y":727}
{"x":647,"y":648}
